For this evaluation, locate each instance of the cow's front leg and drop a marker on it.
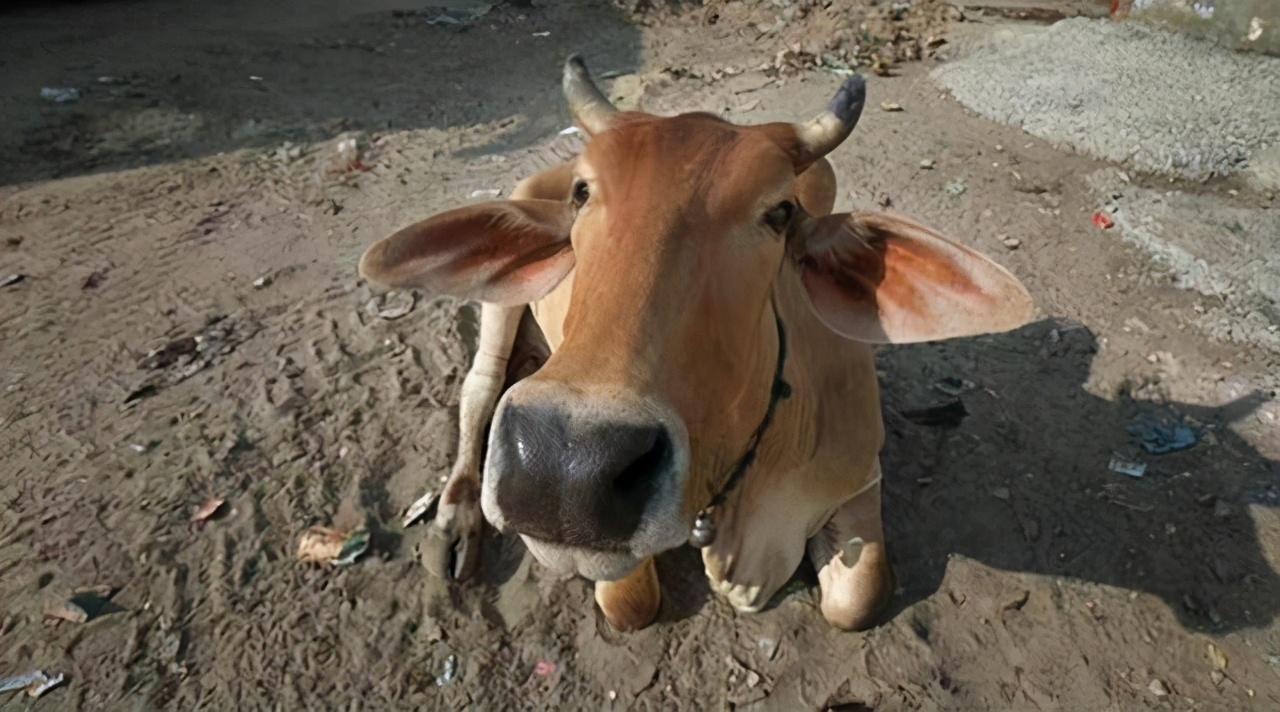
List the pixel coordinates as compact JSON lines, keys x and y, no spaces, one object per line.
{"x":452,"y":545}
{"x":853,"y":567}
{"x":631,"y":602}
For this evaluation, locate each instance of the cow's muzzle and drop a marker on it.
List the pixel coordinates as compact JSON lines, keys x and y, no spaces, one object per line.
{"x":590,"y":471}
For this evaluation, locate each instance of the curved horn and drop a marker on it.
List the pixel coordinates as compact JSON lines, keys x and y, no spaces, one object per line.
{"x":821,"y":134}
{"x":590,"y":107}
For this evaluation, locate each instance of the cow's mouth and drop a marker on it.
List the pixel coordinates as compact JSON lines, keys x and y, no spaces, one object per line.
{"x":562,"y":560}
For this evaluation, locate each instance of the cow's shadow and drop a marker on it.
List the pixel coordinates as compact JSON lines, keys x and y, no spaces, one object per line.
{"x":1023,"y":483}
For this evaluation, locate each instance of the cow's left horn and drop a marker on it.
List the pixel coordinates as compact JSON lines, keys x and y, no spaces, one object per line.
{"x":590,"y":107}
{"x":820,"y":135}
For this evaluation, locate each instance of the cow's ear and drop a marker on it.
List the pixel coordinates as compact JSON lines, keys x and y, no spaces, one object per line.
{"x":883,"y":278}
{"x":502,"y":252}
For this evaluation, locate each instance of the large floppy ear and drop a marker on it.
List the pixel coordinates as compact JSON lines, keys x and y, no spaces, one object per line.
{"x":882,"y":278}
{"x":503,"y":252}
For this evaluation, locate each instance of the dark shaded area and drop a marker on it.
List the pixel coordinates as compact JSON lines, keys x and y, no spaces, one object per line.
{"x":298,"y":71}
{"x":1023,"y":483}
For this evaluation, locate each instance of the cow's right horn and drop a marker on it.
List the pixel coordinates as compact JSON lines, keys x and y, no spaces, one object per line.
{"x":820,"y":135}
{"x":590,"y":107}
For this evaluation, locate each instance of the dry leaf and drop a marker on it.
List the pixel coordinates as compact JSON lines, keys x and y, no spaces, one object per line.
{"x":206,"y":511}
{"x":320,"y":544}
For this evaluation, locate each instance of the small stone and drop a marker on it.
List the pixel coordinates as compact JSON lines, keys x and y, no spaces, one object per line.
{"x":1158,"y":688}
{"x":1011,"y":243}
{"x":890,"y":106}
{"x":1001,"y":493}
{"x":927,"y":164}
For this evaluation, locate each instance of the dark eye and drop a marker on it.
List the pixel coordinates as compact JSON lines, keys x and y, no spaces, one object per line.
{"x":580,"y":193}
{"x":779,"y":216}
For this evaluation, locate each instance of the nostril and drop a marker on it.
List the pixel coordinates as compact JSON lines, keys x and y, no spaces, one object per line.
{"x":637,"y":477}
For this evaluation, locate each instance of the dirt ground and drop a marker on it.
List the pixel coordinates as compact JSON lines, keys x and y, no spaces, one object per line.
{"x":203,"y":184}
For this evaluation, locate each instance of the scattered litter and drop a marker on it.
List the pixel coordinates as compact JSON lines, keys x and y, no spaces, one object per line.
{"x":570,"y":131}
{"x":1102,"y":220}
{"x":355,"y":545}
{"x":955,"y":187}
{"x":1160,"y":434}
{"x":39,"y":690}
{"x":254,"y":78}
{"x":1255,"y":29}
{"x":1217,"y":658}
{"x":418,"y":509}
{"x":485,"y":193}
{"x":927,"y":164}
{"x":86,"y":603}
{"x":544,"y":668}
{"x":67,"y":611}
{"x":391,"y":305}
{"x":1158,"y":688}
{"x":450,"y":671}
{"x":1132,"y":468}
{"x":12,"y":280}
{"x":947,"y":414}
{"x":346,"y":159}
{"x":207,"y":511}
{"x":36,"y":683}
{"x":1011,"y":243}
{"x":60,"y":95}
{"x":320,"y":544}
{"x":890,"y":106}
{"x":184,"y":357}
{"x":542,"y":34}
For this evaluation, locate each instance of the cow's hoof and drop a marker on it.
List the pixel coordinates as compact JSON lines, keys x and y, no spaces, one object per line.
{"x":451,"y":549}
{"x":631,"y":602}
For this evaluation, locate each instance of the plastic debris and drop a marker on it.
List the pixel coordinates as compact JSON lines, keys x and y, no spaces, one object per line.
{"x":544,"y":668}
{"x":12,"y":280}
{"x":36,"y":683}
{"x":1102,"y":220}
{"x":542,"y":34}
{"x":570,"y":131}
{"x":262,"y":282}
{"x":60,"y":95}
{"x":485,"y":193}
{"x":418,"y":509}
{"x":1132,"y":468}
{"x":450,"y":671}
{"x":890,"y":106}
{"x":355,"y":544}
{"x":1160,"y":434}
{"x":332,"y":546}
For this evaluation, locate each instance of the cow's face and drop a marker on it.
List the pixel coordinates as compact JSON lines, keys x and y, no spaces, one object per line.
{"x":675,"y":230}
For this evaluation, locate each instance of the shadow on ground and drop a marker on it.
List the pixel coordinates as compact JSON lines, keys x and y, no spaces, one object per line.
{"x":1023,"y":483}
{"x":299,"y":70}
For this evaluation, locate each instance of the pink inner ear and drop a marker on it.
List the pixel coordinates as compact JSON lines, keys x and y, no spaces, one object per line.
{"x":505,"y":252}
{"x":886,"y":279}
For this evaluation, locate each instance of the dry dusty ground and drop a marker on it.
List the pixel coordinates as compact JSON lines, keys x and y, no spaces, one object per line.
{"x":1031,"y":576}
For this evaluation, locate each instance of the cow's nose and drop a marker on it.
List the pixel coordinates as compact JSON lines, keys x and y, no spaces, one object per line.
{"x":573,"y":481}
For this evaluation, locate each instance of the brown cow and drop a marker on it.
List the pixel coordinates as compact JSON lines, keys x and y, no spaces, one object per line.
{"x":710,"y":376}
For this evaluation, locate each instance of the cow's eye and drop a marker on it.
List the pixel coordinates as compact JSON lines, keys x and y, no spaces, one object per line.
{"x":580,"y":193}
{"x":779,"y":216}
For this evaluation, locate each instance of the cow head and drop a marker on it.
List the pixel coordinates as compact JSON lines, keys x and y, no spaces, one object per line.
{"x":677,"y":231}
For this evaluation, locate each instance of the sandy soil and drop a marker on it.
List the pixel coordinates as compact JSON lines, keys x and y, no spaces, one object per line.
{"x":182,"y":196}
